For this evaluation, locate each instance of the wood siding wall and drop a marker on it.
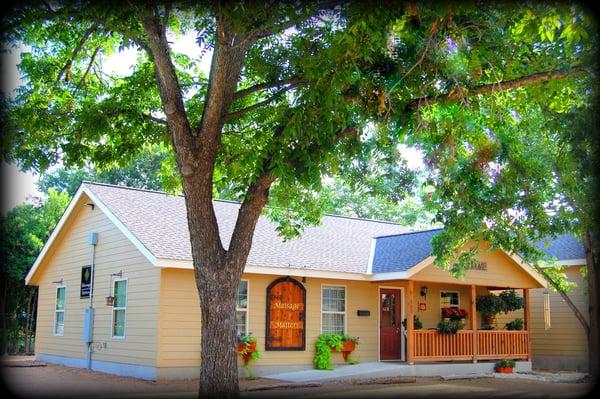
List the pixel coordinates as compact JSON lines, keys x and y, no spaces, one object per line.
{"x":114,"y":253}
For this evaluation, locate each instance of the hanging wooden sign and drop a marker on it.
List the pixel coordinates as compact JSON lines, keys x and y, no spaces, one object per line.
{"x":286,"y":304}
{"x":86,"y":281}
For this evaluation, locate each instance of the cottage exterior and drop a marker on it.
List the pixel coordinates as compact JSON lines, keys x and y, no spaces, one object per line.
{"x":356,"y":276}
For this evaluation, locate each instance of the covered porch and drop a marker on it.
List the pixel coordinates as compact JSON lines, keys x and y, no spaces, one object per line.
{"x":469,"y":344}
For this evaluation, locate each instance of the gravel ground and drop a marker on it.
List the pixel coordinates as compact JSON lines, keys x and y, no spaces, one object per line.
{"x":65,"y":382}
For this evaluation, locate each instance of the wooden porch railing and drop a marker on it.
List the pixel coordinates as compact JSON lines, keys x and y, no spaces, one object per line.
{"x":430,"y":345}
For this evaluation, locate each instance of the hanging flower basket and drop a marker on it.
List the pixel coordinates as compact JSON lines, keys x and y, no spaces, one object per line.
{"x":245,"y":350}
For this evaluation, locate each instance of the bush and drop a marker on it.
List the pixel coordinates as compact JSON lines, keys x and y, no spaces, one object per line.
{"x":449,"y":327}
{"x":516,"y":324}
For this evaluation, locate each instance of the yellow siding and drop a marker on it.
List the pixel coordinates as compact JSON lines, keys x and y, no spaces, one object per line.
{"x":179,"y":327}
{"x":566,"y":336}
{"x":114,"y":252}
{"x":502,"y":271}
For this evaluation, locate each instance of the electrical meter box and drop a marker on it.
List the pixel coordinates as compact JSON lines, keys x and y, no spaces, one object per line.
{"x":88,"y":325}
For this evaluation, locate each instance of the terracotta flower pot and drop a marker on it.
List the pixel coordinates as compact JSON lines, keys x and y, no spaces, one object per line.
{"x":246,"y":356}
{"x":504,"y":370}
{"x":347,"y":348}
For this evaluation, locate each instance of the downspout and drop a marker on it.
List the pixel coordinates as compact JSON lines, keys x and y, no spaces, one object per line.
{"x":89,"y":316}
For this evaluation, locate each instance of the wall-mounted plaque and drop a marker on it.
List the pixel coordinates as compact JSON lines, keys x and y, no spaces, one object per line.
{"x":286,"y":304}
{"x":86,"y":280}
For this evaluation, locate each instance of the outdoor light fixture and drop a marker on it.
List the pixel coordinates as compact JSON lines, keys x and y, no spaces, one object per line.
{"x":424,"y":291}
{"x":90,"y":205}
{"x":110,"y":299}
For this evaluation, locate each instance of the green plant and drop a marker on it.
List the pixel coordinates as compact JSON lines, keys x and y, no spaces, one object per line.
{"x":489,"y":305}
{"x":449,"y":327}
{"x":511,"y":301}
{"x":516,"y":324}
{"x":323,"y":347}
{"x":416,"y":323}
{"x":346,"y":337}
{"x":245,"y":340}
{"x":506,"y":363}
{"x":487,"y":327}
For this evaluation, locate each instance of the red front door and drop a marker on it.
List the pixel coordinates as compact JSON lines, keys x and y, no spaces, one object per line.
{"x":390,"y":327}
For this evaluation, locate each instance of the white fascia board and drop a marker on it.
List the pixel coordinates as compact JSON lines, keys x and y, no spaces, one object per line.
{"x":570,"y":262}
{"x":126,"y":232}
{"x":528,"y":269}
{"x":371,"y":256}
{"x":53,"y":235}
{"x":389,"y":276}
{"x":174,"y":263}
{"x":307,"y":273}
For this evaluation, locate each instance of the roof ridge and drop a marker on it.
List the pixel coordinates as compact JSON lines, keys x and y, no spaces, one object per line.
{"x":233,"y":202}
{"x":409,"y":232}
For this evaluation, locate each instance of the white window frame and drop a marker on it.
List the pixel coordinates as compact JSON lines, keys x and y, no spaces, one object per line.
{"x":323,"y":286}
{"x":113,"y":308}
{"x":450,"y":292}
{"x":247,"y":310}
{"x":56,"y":311}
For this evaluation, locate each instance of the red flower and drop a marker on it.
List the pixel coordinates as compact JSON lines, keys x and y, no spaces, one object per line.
{"x":454,"y":313}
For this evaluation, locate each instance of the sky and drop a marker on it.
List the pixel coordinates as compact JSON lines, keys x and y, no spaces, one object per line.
{"x":19,"y":187}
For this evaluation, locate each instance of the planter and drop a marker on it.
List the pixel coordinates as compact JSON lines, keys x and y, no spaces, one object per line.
{"x":504,"y":370}
{"x":251,"y":347}
{"x":347,"y":348}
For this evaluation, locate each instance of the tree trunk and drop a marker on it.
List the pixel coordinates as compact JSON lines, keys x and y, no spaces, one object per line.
{"x":218,"y":371}
{"x":590,"y":245}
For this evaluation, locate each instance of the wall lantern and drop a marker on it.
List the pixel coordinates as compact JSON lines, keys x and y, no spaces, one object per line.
{"x":110,"y":299}
{"x":424,"y":291}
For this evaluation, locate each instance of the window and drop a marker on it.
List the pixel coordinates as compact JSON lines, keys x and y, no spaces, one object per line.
{"x":59,"y":311}
{"x":449,"y":299}
{"x":241,"y":308}
{"x":333,"y":310}
{"x":119,"y":307}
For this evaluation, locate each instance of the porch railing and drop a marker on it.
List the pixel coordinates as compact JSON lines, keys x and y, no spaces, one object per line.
{"x":430,"y":345}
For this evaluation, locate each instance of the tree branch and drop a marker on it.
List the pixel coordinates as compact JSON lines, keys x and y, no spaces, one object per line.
{"x":262,"y":86}
{"x":539,"y":77}
{"x":76,"y":50}
{"x":237,"y":114}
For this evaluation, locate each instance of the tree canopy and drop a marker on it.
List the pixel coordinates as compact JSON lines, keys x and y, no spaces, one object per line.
{"x":304,"y":91}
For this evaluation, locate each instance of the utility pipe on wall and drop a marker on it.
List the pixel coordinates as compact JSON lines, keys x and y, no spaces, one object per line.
{"x":88,"y":327}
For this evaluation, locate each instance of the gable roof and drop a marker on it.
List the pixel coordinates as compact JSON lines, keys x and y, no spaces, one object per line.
{"x":159,"y":222}
{"x":396,"y":253}
{"x":565,"y":248}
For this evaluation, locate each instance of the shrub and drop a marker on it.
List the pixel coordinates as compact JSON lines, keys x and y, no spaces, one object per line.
{"x":449,"y":327}
{"x":516,"y":324}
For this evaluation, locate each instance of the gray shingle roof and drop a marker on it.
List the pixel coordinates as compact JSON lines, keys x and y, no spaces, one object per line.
{"x":159,"y":221}
{"x":563,"y":247}
{"x":397,"y":253}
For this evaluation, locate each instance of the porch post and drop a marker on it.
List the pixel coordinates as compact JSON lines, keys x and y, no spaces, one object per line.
{"x":410,"y":323}
{"x":474,"y":329}
{"x":527,"y":316}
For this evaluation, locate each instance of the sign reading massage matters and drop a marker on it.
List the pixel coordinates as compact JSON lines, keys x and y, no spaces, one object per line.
{"x":286,"y":304}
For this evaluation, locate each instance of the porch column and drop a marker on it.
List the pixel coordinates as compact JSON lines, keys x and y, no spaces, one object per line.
{"x":474,"y":329}
{"x":527,"y":316}
{"x":410,"y":323}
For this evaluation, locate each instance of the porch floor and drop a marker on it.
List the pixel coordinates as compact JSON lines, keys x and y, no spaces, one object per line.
{"x":393,"y":369}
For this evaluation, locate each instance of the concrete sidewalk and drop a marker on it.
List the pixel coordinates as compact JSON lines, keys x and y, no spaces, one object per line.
{"x":392,"y":369}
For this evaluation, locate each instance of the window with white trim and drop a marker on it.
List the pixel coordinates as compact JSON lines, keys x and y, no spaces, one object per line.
{"x":59,"y":311}
{"x":241,"y":308}
{"x":449,"y":299}
{"x":119,"y":308}
{"x":333,"y":309}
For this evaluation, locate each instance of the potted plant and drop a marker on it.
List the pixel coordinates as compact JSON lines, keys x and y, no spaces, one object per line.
{"x":416,"y":323}
{"x":327,"y":343}
{"x":505,"y":366}
{"x":489,"y":306}
{"x":246,"y":348}
{"x":449,"y":327}
{"x":515,"y":325}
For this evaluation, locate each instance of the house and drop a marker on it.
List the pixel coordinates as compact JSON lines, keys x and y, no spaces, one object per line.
{"x":131,"y":248}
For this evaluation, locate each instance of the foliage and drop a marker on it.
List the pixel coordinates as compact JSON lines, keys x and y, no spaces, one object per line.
{"x":489,"y":305}
{"x":506,"y":363}
{"x":511,"y":301}
{"x":325,"y":344}
{"x":245,"y":340}
{"x":487,"y":327}
{"x":516,"y":324}
{"x":24,"y":230}
{"x":449,"y":327}
{"x":143,"y":171}
{"x":454,"y":313}
{"x":416,"y":322}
